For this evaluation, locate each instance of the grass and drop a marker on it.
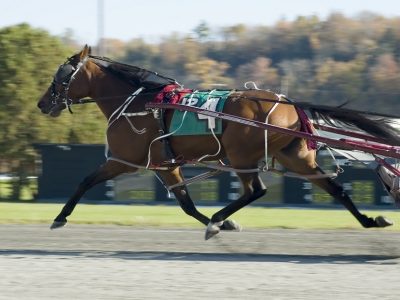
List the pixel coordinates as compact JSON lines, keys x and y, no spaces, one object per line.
{"x":172,"y":216}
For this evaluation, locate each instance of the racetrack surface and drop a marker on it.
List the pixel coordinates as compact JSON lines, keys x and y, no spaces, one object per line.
{"x":116,"y":262}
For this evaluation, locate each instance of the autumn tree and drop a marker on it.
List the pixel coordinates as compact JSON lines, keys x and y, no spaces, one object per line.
{"x":202,"y":31}
{"x":338,"y":82}
{"x":384,"y":82}
{"x":208,"y":74}
{"x":260,"y":71}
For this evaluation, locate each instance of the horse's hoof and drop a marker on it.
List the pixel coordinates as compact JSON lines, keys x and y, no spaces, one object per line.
{"x":58,"y":224}
{"x":213,"y":229}
{"x":231,"y":225}
{"x":382,"y":221}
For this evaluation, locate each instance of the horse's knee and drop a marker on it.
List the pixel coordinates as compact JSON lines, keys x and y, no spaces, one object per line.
{"x":184,"y":201}
{"x":105,"y":172}
{"x":259,"y":193}
{"x":87,"y":181}
{"x":259,"y":189}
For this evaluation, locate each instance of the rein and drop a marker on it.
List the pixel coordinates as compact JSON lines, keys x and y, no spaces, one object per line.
{"x":90,"y":100}
{"x":307,"y":105}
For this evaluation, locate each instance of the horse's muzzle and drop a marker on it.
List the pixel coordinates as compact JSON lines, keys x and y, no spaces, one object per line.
{"x":53,"y":110}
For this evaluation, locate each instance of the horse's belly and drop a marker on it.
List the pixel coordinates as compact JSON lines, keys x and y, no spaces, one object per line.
{"x":194,"y":147}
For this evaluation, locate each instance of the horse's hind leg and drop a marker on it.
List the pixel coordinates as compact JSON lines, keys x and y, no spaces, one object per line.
{"x":303,"y":162}
{"x":185,"y":201}
{"x":253,"y":187}
{"x":105,"y":172}
{"x":337,"y":191}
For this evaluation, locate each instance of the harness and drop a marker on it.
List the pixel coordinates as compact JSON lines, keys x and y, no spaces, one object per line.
{"x":171,"y":92}
{"x":64,"y":76}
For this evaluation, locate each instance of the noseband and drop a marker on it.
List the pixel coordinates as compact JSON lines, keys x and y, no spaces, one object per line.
{"x":64,"y":77}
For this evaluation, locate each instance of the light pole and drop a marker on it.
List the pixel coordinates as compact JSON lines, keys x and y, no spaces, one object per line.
{"x":100,"y":28}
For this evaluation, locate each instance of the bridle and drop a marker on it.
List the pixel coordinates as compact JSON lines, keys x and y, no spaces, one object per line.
{"x":64,"y":76}
{"x":67,"y":71}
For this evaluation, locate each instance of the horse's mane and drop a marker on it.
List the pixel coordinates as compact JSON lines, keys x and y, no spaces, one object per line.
{"x":134,"y":75}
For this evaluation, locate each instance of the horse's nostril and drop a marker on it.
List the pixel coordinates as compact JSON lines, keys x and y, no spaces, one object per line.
{"x":40,"y":104}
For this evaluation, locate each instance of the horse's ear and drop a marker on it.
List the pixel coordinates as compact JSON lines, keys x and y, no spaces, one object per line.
{"x":90,"y":50}
{"x":85,"y":52}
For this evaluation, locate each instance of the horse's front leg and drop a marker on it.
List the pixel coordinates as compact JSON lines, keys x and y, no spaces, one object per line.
{"x":185,"y":201}
{"x":107,"y":171}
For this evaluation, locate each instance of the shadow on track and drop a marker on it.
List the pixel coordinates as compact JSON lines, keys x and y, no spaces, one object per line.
{"x":220,"y":257}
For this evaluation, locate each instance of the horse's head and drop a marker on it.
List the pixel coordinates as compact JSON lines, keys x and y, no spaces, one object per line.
{"x":68,"y":86}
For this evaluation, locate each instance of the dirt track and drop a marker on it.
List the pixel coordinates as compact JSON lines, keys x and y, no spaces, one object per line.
{"x":112,"y":262}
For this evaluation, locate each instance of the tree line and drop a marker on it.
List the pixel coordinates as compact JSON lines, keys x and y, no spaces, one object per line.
{"x":331,"y":61}
{"x":322,"y":61}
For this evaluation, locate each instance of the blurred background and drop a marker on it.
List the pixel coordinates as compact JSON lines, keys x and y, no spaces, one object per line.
{"x":308,"y":50}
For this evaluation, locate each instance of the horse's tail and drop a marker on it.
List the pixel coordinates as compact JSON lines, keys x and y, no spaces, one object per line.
{"x":384,"y":127}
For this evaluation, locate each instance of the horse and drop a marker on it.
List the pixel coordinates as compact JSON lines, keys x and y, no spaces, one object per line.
{"x":135,"y":140}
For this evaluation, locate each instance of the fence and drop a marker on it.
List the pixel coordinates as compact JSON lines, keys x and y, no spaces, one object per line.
{"x":64,"y":166}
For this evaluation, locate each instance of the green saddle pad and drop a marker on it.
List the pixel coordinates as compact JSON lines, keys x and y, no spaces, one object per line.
{"x":188,"y":123}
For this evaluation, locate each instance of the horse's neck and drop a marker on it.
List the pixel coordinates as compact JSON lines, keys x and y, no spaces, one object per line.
{"x":110,"y":94}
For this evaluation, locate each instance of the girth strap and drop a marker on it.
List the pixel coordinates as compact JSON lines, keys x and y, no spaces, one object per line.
{"x":168,"y":151}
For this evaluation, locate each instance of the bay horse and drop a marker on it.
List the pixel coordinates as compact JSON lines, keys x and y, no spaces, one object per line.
{"x":135,"y":140}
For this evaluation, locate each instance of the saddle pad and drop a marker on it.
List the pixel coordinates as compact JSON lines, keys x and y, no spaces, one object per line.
{"x":188,"y":123}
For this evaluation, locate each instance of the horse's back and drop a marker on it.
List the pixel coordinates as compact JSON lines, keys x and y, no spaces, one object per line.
{"x":249,"y":104}
{"x":248,"y":141}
